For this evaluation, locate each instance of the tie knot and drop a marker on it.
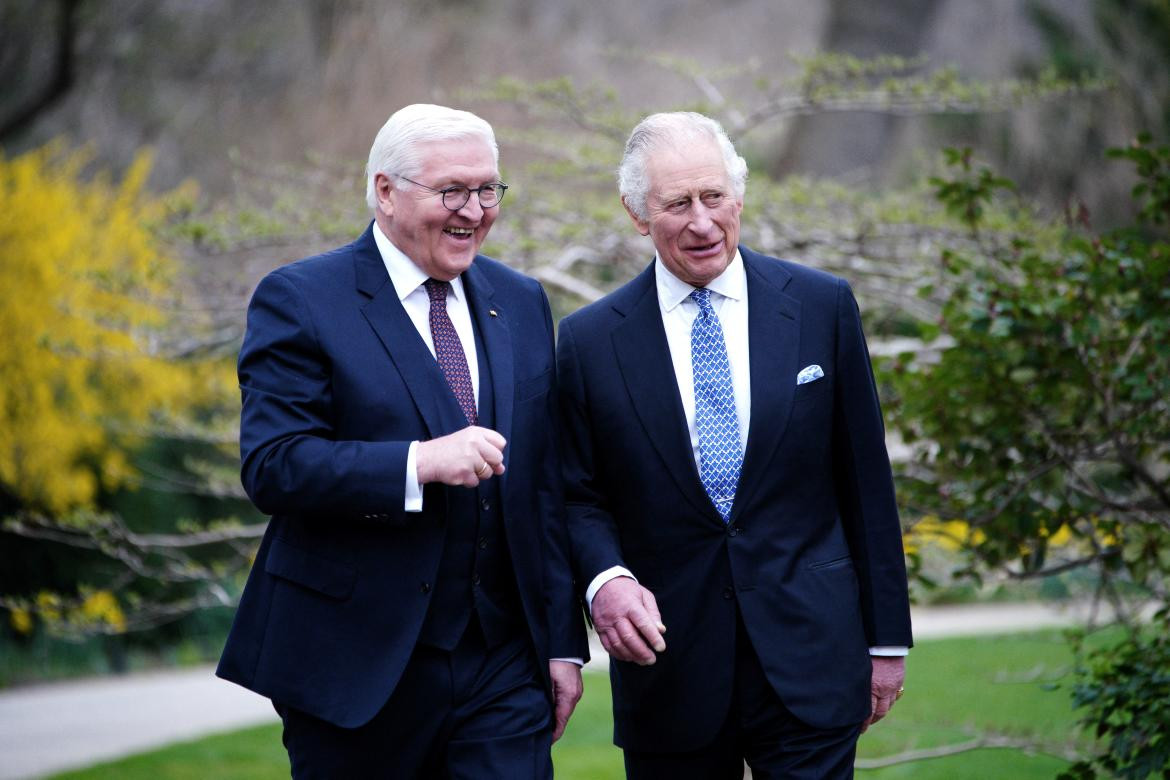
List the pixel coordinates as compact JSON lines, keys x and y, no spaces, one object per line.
{"x":437,"y":290}
{"x":702,"y":296}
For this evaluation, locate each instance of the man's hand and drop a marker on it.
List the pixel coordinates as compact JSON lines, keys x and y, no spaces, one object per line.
{"x":465,"y":457}
{"x":567,"y":688}
{"x":627,"y":621}
{"x":889,"y":672}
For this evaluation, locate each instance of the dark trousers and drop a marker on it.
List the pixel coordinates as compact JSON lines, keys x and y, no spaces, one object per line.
{"x":472,"y":712}
{"x":759,"y":729}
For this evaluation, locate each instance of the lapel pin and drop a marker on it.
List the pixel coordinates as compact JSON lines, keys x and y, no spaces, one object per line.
{"x":492,"y":313}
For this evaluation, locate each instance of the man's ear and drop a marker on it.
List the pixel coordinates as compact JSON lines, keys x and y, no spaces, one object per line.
{"x":384,"y":192}
{"x":643,"y":225}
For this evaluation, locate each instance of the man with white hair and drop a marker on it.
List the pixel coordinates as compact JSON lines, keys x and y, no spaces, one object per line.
{"x":726,"y":478}
{"x":410,"y":612}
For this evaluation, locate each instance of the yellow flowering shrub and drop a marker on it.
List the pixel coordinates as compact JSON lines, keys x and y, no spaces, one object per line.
{"x":950,"y":535}
{"x":83,"y":303}
{"x":956,"y":535}
{"x":101,"y":607}
{"x":95,"y":610}
{"x":21,"y":620}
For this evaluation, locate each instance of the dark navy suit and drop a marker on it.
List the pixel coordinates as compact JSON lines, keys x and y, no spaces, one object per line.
{"x":336,"y":383}
{"x":809,"y":569}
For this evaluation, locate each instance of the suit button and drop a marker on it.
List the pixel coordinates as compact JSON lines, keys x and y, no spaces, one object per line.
{"x":482,"y":543}
{"x":475,"y":579}
{"x":486,"y":504}
{"x":728,"y":593}
{"x":425,"y":587}
{"x":732,"y":530}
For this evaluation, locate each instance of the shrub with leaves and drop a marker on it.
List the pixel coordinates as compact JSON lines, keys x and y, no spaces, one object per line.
{"x":1124,"y":691}
{"x":1047,"y":415}
{"x":95,"y":372}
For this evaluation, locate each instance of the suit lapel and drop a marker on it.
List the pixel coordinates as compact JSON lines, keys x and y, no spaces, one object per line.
{"x":774,"y":350}
{"x":491,"y":321}
{"x":414,"y":362}
{"x":643,"y":357}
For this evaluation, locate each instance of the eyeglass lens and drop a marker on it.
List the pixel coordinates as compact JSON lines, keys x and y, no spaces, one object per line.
{"x":455,"y":198}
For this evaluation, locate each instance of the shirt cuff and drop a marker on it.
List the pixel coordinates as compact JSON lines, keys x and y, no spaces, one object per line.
{"x":414,"y":496}
{"x":578,"y":661}
{"x":890,"y":651}
{"x":611,"y":573}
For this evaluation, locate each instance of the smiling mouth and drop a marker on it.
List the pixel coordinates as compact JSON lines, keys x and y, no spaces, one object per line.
{"x":459,"y":232}
{"x":705,"y":247}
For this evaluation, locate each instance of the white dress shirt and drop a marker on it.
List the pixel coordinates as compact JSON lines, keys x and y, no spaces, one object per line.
{"x":408,"y":280}
{"x":729,"y":299}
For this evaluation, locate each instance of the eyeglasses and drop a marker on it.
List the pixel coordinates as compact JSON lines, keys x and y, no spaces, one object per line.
{"x":456,"y":197}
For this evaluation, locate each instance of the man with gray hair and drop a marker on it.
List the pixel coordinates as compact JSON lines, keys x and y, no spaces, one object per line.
{"x":726,"y":477}
{"x":410,"y":612}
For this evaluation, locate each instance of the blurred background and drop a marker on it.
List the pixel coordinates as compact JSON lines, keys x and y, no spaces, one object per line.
{"x":951,"y":159}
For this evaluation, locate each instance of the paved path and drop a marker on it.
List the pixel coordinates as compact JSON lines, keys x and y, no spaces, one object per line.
{"x":57,"y":726}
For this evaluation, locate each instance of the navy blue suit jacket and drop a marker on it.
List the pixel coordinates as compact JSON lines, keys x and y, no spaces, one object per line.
{"x":336,"y":383}
{"x":812,"y":555}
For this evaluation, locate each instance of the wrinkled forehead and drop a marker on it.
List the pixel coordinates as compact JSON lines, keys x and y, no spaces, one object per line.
{"x":688,"y":169}
{"x":458,"y":159}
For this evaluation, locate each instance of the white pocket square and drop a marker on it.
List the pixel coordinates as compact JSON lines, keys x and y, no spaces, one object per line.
{"x":809,"y":374}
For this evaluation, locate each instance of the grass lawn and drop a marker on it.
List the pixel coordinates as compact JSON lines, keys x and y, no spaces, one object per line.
{"x":956,"y":689}
{"x":959,"y":689}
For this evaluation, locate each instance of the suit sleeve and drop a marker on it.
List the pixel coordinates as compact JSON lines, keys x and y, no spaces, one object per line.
{"x":567,"y":638}
{"x":593,"y":532}
{"x":291,"y":461}
{"x":865,"y":485}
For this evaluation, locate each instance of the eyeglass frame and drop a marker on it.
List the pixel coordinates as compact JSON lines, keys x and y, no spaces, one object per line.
{"x":447,"y":190}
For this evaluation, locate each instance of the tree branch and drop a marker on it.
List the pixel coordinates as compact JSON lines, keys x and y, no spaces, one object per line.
{"x":980,"y":743}
{"x":1063,"y":567}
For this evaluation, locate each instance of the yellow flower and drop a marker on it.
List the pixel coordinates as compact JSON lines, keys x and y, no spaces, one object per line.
{"x":49,"y":606}
{"x":949,"y":534}
{"x":21,"y":621}
{"x":101,"y":606}
{"x":1062,"y":536}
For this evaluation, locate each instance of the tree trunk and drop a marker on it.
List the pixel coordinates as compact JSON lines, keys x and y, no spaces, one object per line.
{"x":849,"y":143}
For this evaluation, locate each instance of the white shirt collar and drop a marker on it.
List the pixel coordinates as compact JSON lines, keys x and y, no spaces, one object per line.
{"x":404,"y":274}
{"x":672,"y":291}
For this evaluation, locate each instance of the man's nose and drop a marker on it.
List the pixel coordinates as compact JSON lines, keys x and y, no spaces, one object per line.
{"x":701,"y":221}
{"x":471,"y":209}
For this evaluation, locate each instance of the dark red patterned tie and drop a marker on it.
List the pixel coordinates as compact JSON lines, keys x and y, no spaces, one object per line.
{"x":449,"y":350}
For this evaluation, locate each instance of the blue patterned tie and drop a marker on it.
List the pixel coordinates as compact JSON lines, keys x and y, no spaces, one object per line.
{"x":720,"y":457}
{"x":449,"y":350}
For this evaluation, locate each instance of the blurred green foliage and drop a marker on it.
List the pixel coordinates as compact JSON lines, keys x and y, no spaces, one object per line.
{"x":1043,"y":424}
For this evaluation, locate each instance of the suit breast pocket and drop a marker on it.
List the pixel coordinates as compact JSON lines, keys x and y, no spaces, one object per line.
{"x":815,"y":390}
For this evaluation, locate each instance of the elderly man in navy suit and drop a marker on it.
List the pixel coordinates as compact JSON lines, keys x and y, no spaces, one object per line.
{"x":727,"y":478}
{"x":410,"y":612}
